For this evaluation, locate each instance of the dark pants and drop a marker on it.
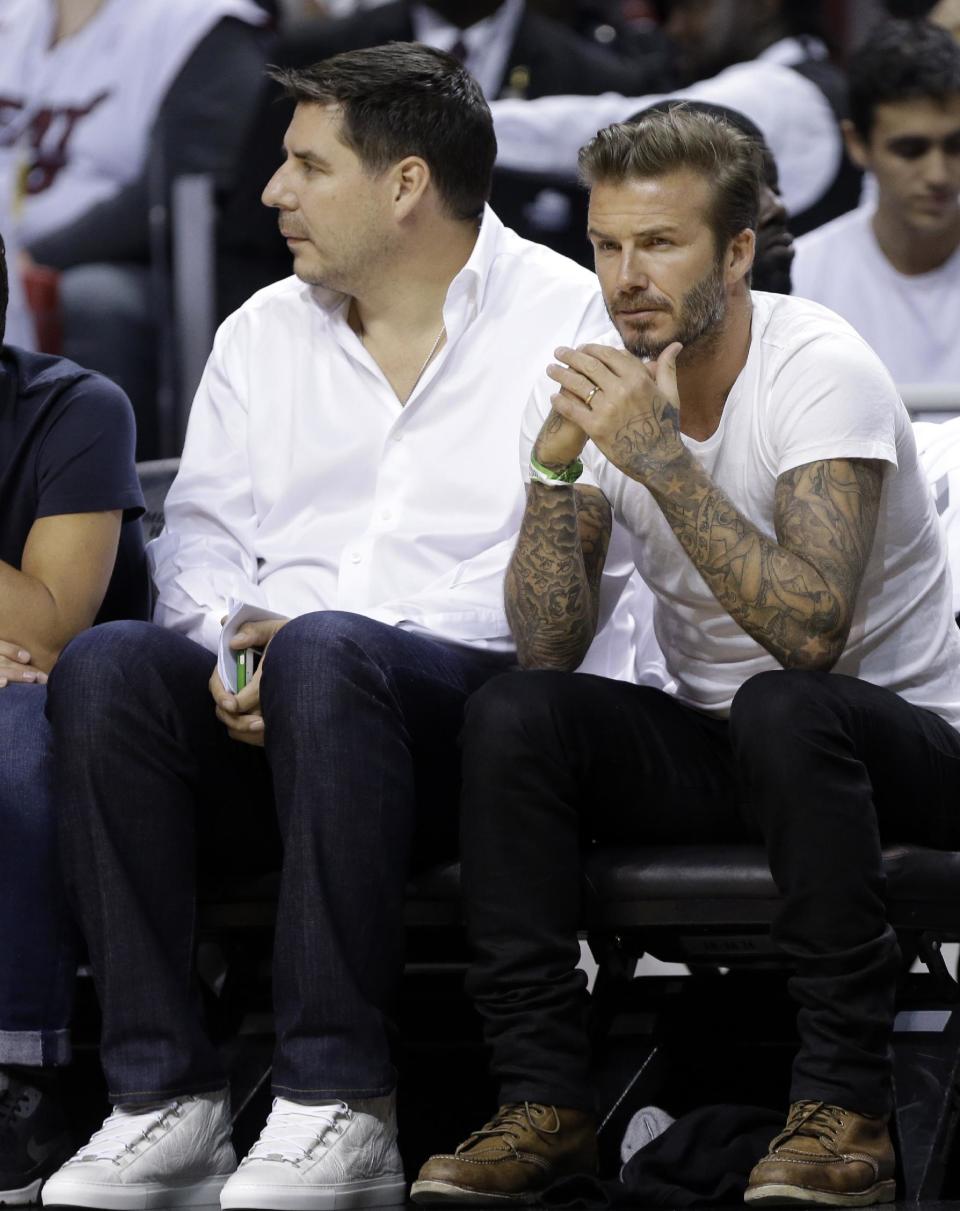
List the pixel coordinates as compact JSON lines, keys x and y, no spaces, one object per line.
{"x":38,"y":952}
{"x":824,"y":767}
{"x":361,"y":721}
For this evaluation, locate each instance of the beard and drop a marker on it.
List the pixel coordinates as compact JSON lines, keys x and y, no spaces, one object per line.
{"x":700,"y":316}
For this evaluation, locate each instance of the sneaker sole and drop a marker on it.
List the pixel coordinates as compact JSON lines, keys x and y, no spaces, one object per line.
{"x":435,"y":1194}
{"x":141,"y":1196}
{"x":794,"y":1196}
{"x":21,"y":1198}
{"x":377,"y":1192}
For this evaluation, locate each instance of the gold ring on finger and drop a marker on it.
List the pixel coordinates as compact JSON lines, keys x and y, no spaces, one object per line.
{"x":591,"y":393}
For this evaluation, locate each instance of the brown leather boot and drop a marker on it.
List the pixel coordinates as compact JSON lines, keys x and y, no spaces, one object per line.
{"x":517,"y":1154}
{"x":825,"y":1155}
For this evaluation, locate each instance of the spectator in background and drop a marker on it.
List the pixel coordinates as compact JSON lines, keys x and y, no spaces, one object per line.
{"x":771,"y":67}
{"x":102,"y":104}
{"x":71,"y":552}
{"x":712,"y":35}
{"x":892,"y":267}
{"x":510,"y":49}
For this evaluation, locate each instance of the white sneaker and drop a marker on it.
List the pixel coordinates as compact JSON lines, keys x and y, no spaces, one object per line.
{"x":317,"y":1157}
{"x":172,"y":1154}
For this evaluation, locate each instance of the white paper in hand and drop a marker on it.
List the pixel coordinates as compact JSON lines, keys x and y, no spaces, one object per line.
{"x":239,"y":613}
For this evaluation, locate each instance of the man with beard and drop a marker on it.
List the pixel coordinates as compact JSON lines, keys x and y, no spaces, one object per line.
{"x":773,"y":254}
{"x":756,"y":451}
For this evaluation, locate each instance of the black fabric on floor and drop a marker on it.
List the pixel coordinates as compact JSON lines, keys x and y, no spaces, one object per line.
{"x":703,"y":1159}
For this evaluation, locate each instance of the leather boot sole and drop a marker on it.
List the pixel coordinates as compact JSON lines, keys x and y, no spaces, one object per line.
{"x":783,"y":1195}
{"x":436,"y":1194}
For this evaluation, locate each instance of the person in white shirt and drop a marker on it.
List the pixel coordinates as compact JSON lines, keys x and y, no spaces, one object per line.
{"x":892,"y":267}
{"x":758,"y":453}
{"x":759,"y":57}
{"x":350,"y":476}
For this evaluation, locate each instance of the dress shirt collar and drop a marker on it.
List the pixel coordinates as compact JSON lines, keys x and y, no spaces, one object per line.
{"x":464,"y":294}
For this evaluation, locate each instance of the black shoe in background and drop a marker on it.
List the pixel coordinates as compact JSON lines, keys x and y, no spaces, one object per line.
{"x":34,"y":1137}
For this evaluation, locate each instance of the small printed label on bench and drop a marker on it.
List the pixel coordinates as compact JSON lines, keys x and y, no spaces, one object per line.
{"x":921,"y":1021}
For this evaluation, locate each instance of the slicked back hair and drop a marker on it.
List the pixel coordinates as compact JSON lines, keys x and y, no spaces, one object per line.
{"x":659,"y":142}
{"x":901,"y":61}
{"x":404,"y":99}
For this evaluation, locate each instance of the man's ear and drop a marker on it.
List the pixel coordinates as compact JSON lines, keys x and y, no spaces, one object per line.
{"x":740,"y":254}
{"x":410,"y":179}
{"x":857,"y":149}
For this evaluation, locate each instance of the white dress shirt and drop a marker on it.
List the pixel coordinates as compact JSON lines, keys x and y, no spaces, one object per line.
{"x":488,"y":42}
{"x":306,"y":485}
{"x":798,"y":124}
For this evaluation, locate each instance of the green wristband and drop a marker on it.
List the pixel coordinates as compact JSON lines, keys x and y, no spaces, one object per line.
{"x":555,"y":479}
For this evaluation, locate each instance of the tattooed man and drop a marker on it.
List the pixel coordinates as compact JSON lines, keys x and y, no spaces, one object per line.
{"x":755,"y":450}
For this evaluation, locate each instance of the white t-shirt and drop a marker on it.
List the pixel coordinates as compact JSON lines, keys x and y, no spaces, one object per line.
{"x":912,"y":322}
{"x":811,"y":389}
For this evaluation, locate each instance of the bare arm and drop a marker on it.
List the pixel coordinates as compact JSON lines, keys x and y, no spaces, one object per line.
{"x":65,"y":570}
{"x":795,"y":595}
{"x":553,"y":580}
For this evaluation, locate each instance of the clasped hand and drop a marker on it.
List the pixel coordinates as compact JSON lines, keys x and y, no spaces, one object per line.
{"x":630,"y":409}
{"x":240,"y":713}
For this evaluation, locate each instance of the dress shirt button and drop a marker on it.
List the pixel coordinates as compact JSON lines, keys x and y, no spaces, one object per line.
{"x":355,"y":557}
{"x":385,"y":514}
{"x":397,"y":437}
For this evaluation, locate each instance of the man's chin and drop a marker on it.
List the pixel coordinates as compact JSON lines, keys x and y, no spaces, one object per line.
{"x":641,"y":342}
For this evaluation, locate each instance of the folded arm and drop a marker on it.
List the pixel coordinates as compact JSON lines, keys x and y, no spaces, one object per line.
{"x":61,"y":583}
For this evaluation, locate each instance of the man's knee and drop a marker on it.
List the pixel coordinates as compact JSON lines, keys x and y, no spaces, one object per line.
{"x":99,"y":670}
{"x":319,"y":647}
{"x":100,"y":654}
{"x":773,"y":703}
{"x":512,"y":707}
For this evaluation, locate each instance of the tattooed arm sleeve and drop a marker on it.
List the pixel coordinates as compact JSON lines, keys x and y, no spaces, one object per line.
{"x":553,"y":581}
{"x":795,"y":596}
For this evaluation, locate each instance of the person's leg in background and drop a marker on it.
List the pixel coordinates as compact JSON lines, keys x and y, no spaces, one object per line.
{"x":38,"y":953}
{"x":831,"y":766}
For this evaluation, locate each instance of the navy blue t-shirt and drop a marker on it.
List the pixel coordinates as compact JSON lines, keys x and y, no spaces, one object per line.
{"x":67,"y":440}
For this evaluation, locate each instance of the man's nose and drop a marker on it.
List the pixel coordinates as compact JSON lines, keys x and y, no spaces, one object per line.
{"x":632,"y":273}
{"x":277,"y":192}
{"x":939,"y":168}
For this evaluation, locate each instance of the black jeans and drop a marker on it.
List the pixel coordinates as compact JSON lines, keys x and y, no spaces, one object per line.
{"x":361,"y":721}
{"x":823,"y":767}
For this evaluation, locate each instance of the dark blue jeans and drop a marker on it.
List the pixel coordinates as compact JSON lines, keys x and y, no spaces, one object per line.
{"x":38,"y":956}
{"x":361,"y":722}
{"x":821,"y":766}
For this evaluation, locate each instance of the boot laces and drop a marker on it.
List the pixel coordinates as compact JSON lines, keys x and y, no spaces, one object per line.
{"x":125,"y":1129}
{"x":509,"y":1122}
{"x":293,"y":1130}
{"x":814,"y":1120}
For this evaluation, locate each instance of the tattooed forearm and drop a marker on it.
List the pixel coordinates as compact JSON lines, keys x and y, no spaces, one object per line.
{"x":795,"y":596}
{"x":553,"y":581}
